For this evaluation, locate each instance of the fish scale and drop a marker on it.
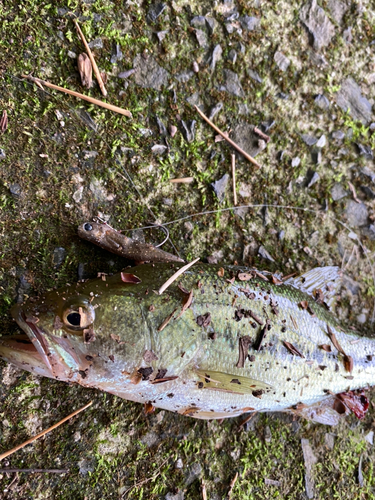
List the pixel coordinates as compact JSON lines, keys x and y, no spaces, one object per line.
{"x":202,"y":373}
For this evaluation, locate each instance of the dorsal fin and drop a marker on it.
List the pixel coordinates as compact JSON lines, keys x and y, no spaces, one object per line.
{"x":230,"y":382}
{"x":328,"y":279}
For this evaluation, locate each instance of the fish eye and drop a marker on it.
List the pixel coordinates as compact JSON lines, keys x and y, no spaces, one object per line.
{"x":78,"y":317}
{"x":87,"y":227}
{"x":74,"y":319}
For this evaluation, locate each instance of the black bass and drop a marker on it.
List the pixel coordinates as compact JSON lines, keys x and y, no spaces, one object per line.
{"x":217,"y":343}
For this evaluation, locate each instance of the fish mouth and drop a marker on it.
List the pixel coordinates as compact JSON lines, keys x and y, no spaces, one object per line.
{"x":29,"y":352}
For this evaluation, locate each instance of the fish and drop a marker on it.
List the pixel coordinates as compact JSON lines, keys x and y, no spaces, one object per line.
{"x":109,"y":239}
{"x":217,"y":343}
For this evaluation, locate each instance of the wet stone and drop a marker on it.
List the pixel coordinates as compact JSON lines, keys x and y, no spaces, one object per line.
{"x":356,"y":213}
{"x":159,"y":149}
{"x":148,"y":73}
{"x":211,"y":24}
{"x":216,"y":56}
{"x":220,"y":186}
{"x":244,"y":136}
{"x":249,"y":23}
{"x":175,"y":496}
{"x":15,"y":189}
{"x":281,"y":60}
{"x":265,"y":254}
{"x":321,"y":101}
{"x":369,"y":193}
{"x":337,"y":9}
{"x":349,"y":97}
{"x":232,"y":84}
{"x":194,"y":472}
{"x":316,"y":156}
{"x":365,"y":151}
{"x":232,"y":56}
{"x":254,"y":76}
{"x":23,"y":288}
{"x":155,"y":11}
{"x":96,"y":44}
{"x":58,"y":258}
{"x":369,"y":232}
{"x":321,"y":142}
{"x":338,"y":192}
{"x":347,"y":35}
{"x":201,"y":38}
{"x":215,"y":109}
{"x":161,"y":35}
{"x":338,"y":135}
{"x":311,"y":178}
{"x":198,"y":22}
{"x":117,"y":54}
{"x":310,"y":140}
{"x":126,"y":74}
{"x":189,"y":130}
{"x":162,"y":129}
{"x":296,"y":161}
{"x":316,"y":21}
{"x":184,"y":76}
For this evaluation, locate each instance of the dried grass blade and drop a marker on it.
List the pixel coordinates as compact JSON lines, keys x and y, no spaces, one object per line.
{"x":232,"y":143}
{"x":176,"y":275}
{"x":111,"y":107}
{"x":43,"y":433}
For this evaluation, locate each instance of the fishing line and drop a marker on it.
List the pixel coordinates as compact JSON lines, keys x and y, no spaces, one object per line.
{"x":128,"y":177}
{"x":353,"y":236}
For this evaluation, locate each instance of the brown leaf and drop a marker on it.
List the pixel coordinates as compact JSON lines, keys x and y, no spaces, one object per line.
{"x":276,"y":280}
{"x":204,"y":320}
{"x":292,"y":349}
{"x":186,"y":304}
{"x":149,"y":408}
{"x":166,"y":321}
{"x":303,"y":304}
{"x":348,"y":363}
{"x":164,"y":379}
{"x":85,"y":70}
{"x":220,"y":272}
{"x":183,"y":289}
{"x":88,"y":335}
{"x":319,"y":296}
{"x":262,"y":335}
{"x":260,"y":275}
{"x":325,"y":347}
{"x":149,"y":356}
{"x":130,"y":278}
{"x":334,"y":340}
{"x":4,"y":121}
{"x":245,"y":276}
{"x":244,"y":343}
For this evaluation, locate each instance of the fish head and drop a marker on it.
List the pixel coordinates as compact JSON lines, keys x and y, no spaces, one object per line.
{"x":88,"y":333}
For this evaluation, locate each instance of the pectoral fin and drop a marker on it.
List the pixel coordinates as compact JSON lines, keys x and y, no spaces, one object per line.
{"x":238,"y":384}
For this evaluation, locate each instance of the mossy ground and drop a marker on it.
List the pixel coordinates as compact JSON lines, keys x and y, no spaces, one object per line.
{"x":126,"y":454}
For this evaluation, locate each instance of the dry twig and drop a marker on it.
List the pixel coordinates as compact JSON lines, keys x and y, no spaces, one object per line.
{"x":111,"y":107}
{"x":182,"y":180}
{"x":94,"y":65}
{"x":43,"y":433}
{"x":232,"y":143}
{"x":234,"y":179}
{"x":4,"y":121}
{"x":35,"y":471}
